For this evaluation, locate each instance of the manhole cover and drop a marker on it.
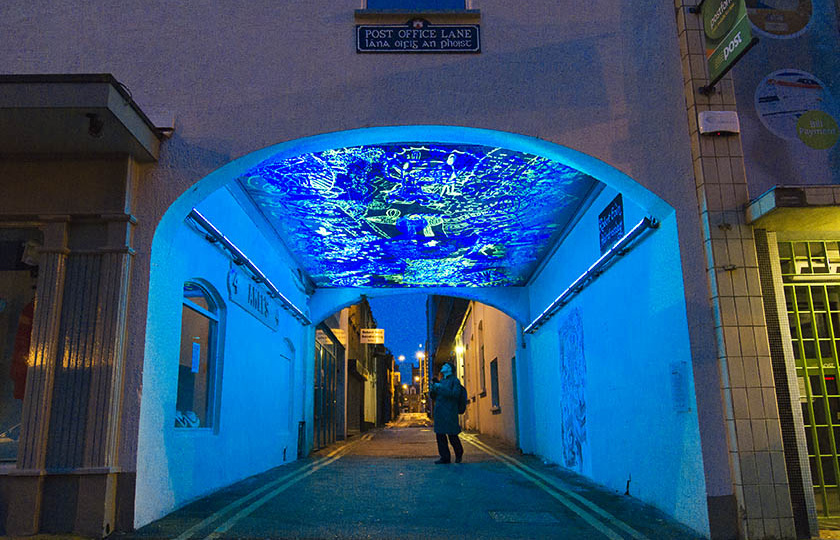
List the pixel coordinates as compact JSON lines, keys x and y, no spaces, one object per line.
{"x":523,"y":517}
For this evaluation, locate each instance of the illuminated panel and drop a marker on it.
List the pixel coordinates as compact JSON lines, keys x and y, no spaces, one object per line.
{"x":416,"y":215}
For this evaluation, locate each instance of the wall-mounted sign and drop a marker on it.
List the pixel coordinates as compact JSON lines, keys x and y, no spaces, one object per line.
{"x":415,"y":5}
{"x":611,"y":223}
{"x":253,"y":297}
{"x":374,"y":336}
{"x":418,"y":36}
{"x":680,"y":387}
{"x":322,"y":337}
{"x":340,"y":335}
{"x":728,"y":35}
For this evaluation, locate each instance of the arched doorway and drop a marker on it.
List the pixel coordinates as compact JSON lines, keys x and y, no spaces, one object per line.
{"x":175,"y":458}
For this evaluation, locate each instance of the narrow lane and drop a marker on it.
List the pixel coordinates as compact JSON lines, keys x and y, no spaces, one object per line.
{"x":384,"y":484}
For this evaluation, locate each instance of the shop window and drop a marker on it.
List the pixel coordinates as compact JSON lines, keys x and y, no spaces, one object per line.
{"x":494,"y":385}
{"x":200,"y":360}
{"x":18,"y":277}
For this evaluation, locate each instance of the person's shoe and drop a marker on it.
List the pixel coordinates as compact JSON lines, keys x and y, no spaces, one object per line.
{"x":442,"y":462}
{"x":458,"y":458}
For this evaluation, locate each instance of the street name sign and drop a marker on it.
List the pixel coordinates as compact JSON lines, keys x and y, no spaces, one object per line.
{"x":418,"y":36}
{"x":252,"y":297}
{"x":611,"y":224}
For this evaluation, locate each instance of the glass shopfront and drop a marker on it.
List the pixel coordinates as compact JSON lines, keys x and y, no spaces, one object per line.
{"x":18,"y":277}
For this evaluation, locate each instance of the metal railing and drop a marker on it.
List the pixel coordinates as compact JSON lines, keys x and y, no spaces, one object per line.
{"x":596,"y":269}
{"x":239,"y":258}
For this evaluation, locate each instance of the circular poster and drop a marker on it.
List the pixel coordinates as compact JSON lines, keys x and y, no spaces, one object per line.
{"x":795,"y":105}
{"x":779,"y":18}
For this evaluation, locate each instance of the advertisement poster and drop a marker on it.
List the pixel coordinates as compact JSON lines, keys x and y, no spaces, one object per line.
{"x":786,"y":89}
{"x":779,"y":18}
{"x":795,"y":105}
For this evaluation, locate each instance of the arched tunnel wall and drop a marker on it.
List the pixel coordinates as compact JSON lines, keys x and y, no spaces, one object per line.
{"x":609,"y":384}
{"x":260,"y":389}
{"x":180,"y":254}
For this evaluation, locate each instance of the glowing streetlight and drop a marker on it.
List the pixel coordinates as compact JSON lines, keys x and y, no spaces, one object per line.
{"x":419,"y":355}
{"x":417,"y":378}
{"x":401,"y":358}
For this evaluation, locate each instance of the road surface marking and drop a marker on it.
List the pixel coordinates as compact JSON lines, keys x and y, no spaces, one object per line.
{"x":248,"y":510}
{"x":301,"y":472}
{"x":549,"y":485}
{"x":583,"y":500}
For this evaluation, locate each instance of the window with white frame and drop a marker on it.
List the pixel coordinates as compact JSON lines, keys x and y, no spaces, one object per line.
{"x":200,"y":357}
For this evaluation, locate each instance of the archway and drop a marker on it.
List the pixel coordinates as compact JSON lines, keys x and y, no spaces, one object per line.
{"x":175,"y":463}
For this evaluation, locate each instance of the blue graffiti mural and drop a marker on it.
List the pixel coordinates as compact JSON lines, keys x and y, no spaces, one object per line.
{"x":573,"y":391}
{"x":412,"y":215}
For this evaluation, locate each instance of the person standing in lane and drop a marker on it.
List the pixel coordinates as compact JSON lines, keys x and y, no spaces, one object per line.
{"x":446,"y":394}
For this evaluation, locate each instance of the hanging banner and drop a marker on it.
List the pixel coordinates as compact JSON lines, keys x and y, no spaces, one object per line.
{"x":374,"y":336}
{"x":728,"y":35}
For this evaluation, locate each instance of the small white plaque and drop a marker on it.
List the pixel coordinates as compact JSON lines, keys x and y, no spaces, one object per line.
{"x":196,"y":357}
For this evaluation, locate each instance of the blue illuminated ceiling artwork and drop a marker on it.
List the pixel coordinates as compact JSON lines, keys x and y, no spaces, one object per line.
{"x":416,"y":214}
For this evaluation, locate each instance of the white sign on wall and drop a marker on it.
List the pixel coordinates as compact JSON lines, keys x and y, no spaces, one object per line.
{"x":252,"y":297}
{"x":375,"y":336}
{"x":196,"y":357}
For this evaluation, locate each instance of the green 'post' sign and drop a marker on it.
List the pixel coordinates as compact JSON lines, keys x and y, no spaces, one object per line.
{"x":728,"y":35}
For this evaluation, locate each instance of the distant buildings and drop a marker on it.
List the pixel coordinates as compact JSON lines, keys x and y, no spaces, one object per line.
{"x":354,"y":381}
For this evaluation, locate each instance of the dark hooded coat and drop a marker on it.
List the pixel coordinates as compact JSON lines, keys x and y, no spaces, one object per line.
{"x":446,"y":394}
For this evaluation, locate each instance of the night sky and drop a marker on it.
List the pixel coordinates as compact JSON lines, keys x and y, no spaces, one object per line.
{"x":403,"y":317}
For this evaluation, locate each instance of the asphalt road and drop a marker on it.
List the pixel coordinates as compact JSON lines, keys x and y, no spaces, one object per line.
{"x":384,"y":484}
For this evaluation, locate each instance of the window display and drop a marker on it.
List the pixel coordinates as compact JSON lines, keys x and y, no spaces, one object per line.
{"x":18,"y":278}
{"x":198,"y":359}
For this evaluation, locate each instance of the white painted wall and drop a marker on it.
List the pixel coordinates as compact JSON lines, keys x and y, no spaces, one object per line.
{"x":634,"y":328}
{"x":500,"y":344}
{"x":261,"y":374}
